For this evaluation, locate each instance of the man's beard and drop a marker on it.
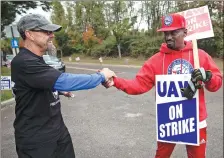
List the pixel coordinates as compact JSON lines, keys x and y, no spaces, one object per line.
{"x":170,"y":44}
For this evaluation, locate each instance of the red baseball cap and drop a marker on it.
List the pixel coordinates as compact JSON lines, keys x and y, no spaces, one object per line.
{"x":172,"y":22}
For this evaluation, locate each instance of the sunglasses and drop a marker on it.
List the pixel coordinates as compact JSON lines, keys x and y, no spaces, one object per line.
{"x":44,"y":31}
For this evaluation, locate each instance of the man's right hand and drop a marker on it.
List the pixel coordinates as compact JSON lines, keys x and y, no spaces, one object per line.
{"x":107,"y":73}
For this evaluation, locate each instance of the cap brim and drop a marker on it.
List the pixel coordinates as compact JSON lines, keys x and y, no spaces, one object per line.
{"x":51,"y":27}
{"x":168,"y":29}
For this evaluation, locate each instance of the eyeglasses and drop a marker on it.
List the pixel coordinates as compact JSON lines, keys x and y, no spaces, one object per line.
{"x":44,"y":31}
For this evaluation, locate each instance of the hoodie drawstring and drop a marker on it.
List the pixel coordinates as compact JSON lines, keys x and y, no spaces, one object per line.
{"x":163,"y":61}
{"x":189,"y":59}
{"x":181,"y":61}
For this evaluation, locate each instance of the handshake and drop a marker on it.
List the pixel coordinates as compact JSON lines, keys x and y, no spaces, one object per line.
{"x":109,"y":75}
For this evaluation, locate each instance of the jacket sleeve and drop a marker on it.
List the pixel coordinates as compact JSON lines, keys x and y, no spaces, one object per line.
{"x":216,"y":81}
{"x":74,"y":82}
{"x":142,"y":83}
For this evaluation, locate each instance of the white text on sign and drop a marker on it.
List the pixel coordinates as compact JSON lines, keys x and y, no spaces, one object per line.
{"x":177,"y":127}
{"x":199,"y":23}
{"x":176,"y":116}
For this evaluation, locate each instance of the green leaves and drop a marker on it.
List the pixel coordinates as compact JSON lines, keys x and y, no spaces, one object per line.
{"x":9,"y":9}
{"x":123,"y":20}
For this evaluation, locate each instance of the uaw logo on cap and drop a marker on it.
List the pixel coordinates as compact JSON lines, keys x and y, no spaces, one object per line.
{"x":168,"y":20}
{"x":180,"y":66}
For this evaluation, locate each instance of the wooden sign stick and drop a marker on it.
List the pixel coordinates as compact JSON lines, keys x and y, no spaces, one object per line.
{"x":195,"y":54}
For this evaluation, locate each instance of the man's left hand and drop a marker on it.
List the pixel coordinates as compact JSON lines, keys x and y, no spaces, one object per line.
{"x":68,"y":94}
{"x":201,"y":75}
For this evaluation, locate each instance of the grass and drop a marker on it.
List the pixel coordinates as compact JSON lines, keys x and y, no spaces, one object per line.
{"x":5,"y":71}
{"x":6,"y":94}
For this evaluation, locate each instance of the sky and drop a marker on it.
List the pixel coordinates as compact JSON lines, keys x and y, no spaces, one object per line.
{"x":37,"y":10}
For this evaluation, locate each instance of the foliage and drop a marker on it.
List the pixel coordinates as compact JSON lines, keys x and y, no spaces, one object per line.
{"x":62,"y":39}
{"x":79,"y":48}
{"x":106,"y":48}
{"x":5,"y":46}
{"x":9,"y":9}
{"x":145,"y":46}
{"x":58,"y":14}
{"x":116,"y":24}
{"x":89,"y":37}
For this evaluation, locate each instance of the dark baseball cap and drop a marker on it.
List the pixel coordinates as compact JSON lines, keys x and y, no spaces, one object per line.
{"x":36,"y":21}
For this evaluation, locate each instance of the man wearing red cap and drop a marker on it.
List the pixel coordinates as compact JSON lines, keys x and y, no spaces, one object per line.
{"x":175,"y":57}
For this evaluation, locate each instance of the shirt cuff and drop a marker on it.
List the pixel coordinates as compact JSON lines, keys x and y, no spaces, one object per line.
{"x":102,"y":76}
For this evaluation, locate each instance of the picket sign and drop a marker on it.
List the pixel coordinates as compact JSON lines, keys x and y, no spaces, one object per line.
{"x":177,"y":117}
{"x":199,"y":26}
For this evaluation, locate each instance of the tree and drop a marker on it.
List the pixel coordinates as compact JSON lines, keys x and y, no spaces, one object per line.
{"x":58,"y":17}
{"x":85,"y":16}
{"x":58,"y":14}
{"x":9,"y":9}
{"x":112,"y":22}
{"x":120,"y":22}
{"x":89,"y":38}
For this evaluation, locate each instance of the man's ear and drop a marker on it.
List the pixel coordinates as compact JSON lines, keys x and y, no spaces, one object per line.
{"x":28,"y":35}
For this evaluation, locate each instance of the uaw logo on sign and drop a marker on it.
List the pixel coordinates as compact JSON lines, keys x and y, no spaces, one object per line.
{"x":180,"y":66}
{"x":177,"y":117}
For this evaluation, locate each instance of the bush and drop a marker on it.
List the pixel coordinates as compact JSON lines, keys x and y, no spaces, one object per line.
{"x":126,"y":42}
{"x":79,"y":49}
{"x":145,"y":46}
{"x":107,"y":48}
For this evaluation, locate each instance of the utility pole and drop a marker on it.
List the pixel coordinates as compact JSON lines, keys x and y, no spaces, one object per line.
{"x":13,"y":49}
{"x":11,"y":32}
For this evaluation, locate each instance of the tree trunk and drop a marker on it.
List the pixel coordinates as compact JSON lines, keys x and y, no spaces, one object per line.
{"x":119,"y":50}
{"x":61,"y":54}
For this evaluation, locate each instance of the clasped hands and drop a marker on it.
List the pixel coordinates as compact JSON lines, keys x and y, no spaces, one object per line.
{"x":109,"y":75}
{"x":109,"y":82}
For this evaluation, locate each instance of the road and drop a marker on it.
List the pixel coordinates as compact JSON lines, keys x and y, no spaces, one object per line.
{"x":107,"y":123}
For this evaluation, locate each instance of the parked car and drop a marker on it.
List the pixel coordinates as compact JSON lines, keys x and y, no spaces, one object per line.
{"x":54,"y":62}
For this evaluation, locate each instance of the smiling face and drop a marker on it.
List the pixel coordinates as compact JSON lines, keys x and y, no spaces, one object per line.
{"x":175,"y":39}
{"x":40,"y":38}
